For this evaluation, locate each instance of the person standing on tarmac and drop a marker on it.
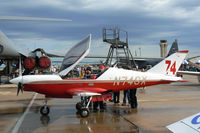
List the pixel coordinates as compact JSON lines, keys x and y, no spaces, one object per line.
{"x":126,"y":92}
{"x":116,"y":97}
{"x":126,"y":96}
{"x":131,"y":95}
{"x":99,"y":103}
{"x":133,"y":98}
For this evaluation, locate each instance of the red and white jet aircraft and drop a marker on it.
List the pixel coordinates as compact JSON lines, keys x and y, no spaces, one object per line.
{"x":111,"y":80}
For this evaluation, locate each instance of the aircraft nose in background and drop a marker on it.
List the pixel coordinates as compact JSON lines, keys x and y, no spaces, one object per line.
{"x":16,"y":80}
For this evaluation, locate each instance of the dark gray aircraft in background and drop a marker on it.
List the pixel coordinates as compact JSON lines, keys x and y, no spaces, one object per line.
{"x":145,"y":62}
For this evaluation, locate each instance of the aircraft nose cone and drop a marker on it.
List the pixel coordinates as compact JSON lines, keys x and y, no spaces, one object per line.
{"x":16,"y":80}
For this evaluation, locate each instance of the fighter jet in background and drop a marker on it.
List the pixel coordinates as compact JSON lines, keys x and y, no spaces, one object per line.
{"x":10,"y":55}
{"x":36,"y":59}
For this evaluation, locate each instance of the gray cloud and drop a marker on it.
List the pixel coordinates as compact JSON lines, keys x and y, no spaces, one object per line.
{"x":146,"y":21}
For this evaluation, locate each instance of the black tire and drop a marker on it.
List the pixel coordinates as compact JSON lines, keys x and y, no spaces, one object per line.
{"x":84,"y":112}
{"x":79,"y":106}
{"x":44,"y":110}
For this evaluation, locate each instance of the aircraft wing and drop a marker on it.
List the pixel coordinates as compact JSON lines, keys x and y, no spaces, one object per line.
{"x":85,"y":91}
{"x":8,"y":50}
{"x":188,"y":125}
{"x":75,"y":55}
{"x":54,"y":55}
{"x":189,"y":73}
{"x":7,"y":47}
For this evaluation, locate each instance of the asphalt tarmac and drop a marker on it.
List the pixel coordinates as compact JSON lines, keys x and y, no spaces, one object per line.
{"x":158,"y":107}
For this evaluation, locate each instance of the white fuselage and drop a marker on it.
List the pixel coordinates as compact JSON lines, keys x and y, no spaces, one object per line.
{"x":123,"y":74}
{"x":113,"y":74}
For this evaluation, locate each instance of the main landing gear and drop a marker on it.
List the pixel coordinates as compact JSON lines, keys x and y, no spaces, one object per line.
{"x":44,"y":110}
{"x":82,"y":107}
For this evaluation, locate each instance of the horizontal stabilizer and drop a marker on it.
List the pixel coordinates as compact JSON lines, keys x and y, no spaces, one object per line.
{"x":189,"y":73}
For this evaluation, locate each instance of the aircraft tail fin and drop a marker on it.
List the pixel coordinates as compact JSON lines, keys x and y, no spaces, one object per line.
{"x":170,"y":65}
{"x":174,"y":48}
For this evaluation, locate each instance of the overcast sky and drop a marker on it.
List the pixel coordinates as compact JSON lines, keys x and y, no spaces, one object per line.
{"x":146,"y":21}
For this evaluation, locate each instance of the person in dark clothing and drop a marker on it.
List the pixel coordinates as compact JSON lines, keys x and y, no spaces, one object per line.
{"x":116,"y":97}
{"x":95,"y":105}
{"x":133,"y":98}
{"x":98,"y":103}
{"x":88,"y":72}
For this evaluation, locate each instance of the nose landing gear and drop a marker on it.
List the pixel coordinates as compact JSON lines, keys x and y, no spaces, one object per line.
{"x":44,"y":110}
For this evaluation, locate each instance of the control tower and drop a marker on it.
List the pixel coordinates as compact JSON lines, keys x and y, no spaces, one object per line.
{"x":119,"y":51}
{"x":163,"y":48}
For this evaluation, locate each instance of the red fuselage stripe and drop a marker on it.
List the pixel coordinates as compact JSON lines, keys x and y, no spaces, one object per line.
{"x":60,"y":89}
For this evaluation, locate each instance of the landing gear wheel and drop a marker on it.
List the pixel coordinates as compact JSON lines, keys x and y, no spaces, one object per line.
{"x":44,"y":110}
{"x":84,"y":112}
{"x":79,"y":106}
